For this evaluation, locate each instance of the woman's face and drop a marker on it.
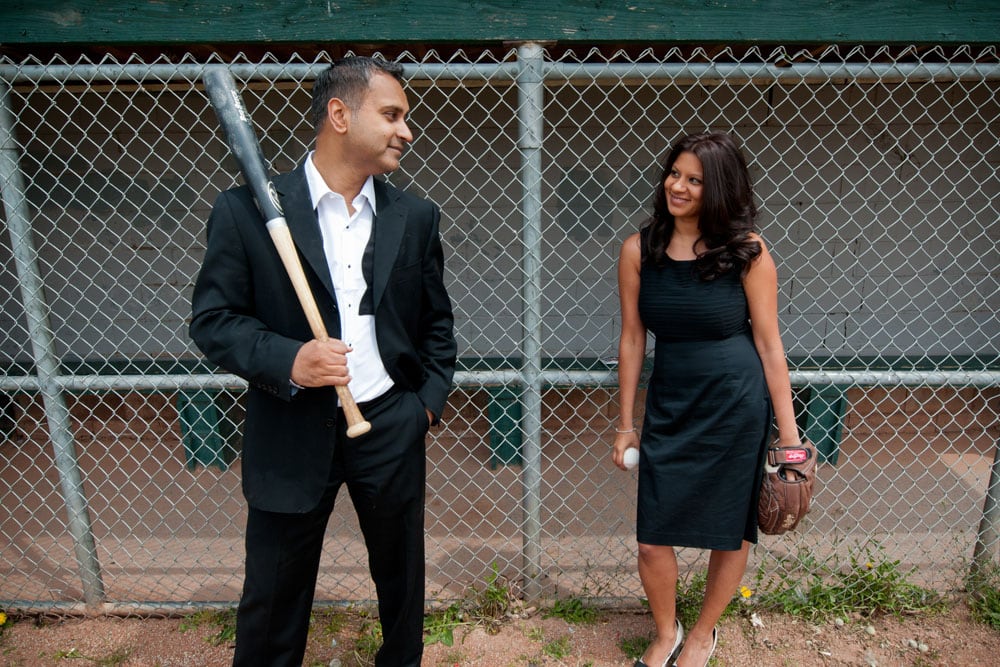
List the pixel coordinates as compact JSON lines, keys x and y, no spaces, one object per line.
{"x":683,"y":187}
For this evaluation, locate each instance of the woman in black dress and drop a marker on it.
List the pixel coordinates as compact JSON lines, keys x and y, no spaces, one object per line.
{"x":702,"y":282}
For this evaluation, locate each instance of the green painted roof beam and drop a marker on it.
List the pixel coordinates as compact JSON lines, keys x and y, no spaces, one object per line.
{"x":317,"y":22}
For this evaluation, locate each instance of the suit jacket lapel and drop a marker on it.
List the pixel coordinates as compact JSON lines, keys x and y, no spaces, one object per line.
{"x":303,"y":223}
{"x":390,"y":223}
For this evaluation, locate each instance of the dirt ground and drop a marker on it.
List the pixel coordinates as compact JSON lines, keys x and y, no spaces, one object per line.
{"x":948,"y":638}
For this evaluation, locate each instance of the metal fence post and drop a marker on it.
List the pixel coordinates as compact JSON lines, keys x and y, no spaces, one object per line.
{"x":530,"y":90}
{"x":46,"y":361}
{"x":989,"y":526}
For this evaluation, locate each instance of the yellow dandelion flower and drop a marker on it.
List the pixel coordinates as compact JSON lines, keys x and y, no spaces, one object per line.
{"x":3,"y":618}
{"x":745,"y":592}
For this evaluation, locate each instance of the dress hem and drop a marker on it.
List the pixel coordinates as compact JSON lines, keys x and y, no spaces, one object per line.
{"x":693,"y":542}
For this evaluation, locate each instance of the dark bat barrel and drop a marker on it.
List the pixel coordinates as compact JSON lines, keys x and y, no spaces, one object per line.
{"x":241,"y":138}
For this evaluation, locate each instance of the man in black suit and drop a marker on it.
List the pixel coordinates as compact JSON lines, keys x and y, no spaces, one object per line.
{"x":373,"y":257}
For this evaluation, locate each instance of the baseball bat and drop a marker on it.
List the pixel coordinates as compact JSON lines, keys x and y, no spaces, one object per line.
{"x":242,"y":140}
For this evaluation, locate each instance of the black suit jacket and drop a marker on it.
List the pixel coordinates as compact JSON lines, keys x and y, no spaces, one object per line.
{"x":247,"y":319}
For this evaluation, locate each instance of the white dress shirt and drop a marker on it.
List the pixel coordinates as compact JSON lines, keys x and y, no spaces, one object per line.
{"x":345,"y":237}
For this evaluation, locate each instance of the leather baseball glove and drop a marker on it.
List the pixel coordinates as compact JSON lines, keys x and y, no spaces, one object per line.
{"x":787,"y":489}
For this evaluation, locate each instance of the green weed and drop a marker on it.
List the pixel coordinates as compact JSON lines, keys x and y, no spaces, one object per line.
{"x":329,"y":622}
{"x":453,"y":658}
{"x":572,"y":610}
{"x":876,"y":586}
{"x":71,"y":653}
{"x":486,"y":607}
{"x":489,"y":606}
{"x":558,"y":649}
{"x":691,"y":593}
{"x":869,"y":585}
{"x":368,"y":643}
{"x":118,"y":657}
{"x":440,"y":626}
{"x":224,"y":620}
{"x":983,"y":586}
{"x":634,"y":647}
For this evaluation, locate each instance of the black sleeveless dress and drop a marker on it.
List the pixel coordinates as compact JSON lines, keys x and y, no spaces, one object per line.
{"x":708,"y":413}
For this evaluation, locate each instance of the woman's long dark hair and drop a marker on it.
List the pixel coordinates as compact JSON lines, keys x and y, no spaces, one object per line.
{"x":728,"y":213}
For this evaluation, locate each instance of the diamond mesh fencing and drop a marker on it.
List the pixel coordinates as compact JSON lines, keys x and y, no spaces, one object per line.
{"x":876,"y":175}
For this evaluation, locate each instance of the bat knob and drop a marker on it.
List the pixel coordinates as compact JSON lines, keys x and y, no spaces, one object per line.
{"x":354,"y":430}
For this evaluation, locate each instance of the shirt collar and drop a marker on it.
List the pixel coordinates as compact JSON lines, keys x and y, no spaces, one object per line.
{"x":319,"y":189}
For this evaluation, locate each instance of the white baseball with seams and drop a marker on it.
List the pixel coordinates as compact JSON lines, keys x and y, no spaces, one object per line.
{"x":630,"y":458}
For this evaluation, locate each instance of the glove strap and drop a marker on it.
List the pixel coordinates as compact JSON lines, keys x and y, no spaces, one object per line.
{"x":777,"y":456}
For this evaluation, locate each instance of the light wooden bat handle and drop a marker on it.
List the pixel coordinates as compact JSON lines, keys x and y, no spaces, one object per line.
{"x":282,"y":238}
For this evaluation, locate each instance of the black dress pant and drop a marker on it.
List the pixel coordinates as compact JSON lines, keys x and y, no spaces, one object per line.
{"x":385,"y":472}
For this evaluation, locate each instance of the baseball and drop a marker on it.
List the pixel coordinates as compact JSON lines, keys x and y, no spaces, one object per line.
{"x":631,"y":458}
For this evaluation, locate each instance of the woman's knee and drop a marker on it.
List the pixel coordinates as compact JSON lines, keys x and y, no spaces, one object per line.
{"x":655,"y":552}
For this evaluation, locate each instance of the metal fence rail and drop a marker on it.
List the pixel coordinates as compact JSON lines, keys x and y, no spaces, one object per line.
{"x":876,"y":171}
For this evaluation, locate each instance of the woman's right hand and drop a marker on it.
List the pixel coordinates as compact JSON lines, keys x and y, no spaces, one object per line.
{"x":622,"y":442}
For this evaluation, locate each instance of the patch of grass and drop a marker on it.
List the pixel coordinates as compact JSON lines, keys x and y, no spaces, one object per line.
{"x":558,"y":648}
{"x":224,"y":620}
{"x":117,"y":657}
{"x":328,"y":622}
{"x":452,"y":658}
{"x":634,"y":647}
{"x":536,"y":634}
{"x":71,"y":653}
{"x":930,"y":660}
{"x":877,"y":586}
{"x":983,"y":586}
{"x":572,"y":610}
{"x":368,"y":643}
{"x":869,"y":585}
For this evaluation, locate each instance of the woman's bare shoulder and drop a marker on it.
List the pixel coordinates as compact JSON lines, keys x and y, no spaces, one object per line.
{"x":632,"y":244}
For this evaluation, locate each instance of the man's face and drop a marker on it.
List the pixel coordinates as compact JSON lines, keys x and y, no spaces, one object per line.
{"x":378,"y":132}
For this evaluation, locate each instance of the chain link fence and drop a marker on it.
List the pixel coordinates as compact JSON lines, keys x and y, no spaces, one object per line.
{"x":876,"y":171}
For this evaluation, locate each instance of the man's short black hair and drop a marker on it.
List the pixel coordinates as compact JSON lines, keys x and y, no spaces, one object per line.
{"x":347,"y":79}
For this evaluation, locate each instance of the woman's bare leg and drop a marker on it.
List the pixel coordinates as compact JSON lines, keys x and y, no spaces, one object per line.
{"x":658,"y":573}
{"x":725,"y":571}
